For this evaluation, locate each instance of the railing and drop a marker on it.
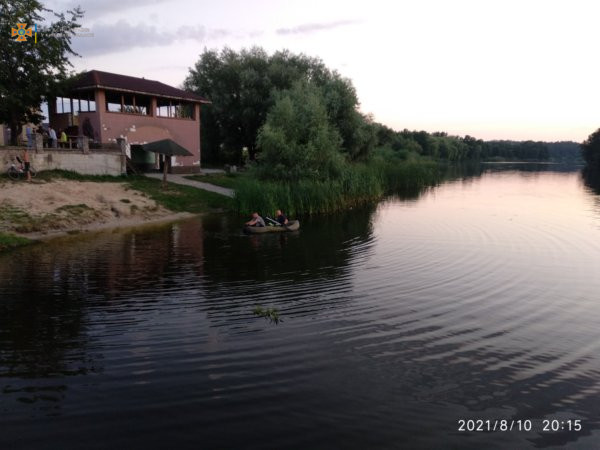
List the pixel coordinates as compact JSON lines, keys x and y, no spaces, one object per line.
{"x":73,"y":144}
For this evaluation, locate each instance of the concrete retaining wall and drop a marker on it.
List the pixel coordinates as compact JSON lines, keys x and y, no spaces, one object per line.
{"x":94,"y":163}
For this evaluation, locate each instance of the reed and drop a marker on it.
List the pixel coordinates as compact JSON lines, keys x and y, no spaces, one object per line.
{"x":357,"y":184}
{"x":272,"y":314}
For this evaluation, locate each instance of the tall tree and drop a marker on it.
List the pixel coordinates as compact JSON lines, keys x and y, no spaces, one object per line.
{"x":297,"y":140}
{"x":244,"y":85}
{"x":31,"y":71}
{"x":590,"y":149}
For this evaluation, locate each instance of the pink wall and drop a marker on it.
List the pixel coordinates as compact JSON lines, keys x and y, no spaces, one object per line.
{"x":138,"y":129}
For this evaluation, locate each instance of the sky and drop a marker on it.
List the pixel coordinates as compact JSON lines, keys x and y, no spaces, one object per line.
{"x":491,"y":69}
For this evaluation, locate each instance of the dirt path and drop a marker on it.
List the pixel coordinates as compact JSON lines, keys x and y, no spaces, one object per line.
{"x":180,"y":179}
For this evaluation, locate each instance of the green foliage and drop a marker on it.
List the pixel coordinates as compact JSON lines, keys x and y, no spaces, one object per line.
{"x":272,"y":314}
{"x":29,"y":71}
{"x":517,"y":151}
{"x":591,"y":178}
{"x":297,"y":140}
{"x":440,"y":145}
{"x":564,"y":151}
{"x":10,"y":241}
{"x":409,"y":178}
{"x":21,"y":221}
{"x":48,"y":175}
{"x":179,"y":198}
{"x":590,"y":149}
{"x":358,"y":184}
{"x":227,"y":180}
{"x":243,"y":87}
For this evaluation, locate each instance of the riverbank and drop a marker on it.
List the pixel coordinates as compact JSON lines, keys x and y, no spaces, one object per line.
{"x":60,"y":203}
{"x":10,"y":241}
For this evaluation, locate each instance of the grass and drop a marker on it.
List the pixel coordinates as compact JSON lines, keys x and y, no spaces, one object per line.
{"x":227,"y":180}
{"x":180,"y":198}
{"x":357,"y":185}
{"x":408,"y":176}
{"x":10,"y":241}
{"x":175,"y":197}
{"x":16,"y":219}
{"x":353,"y":188}
{"x":49,"y":175}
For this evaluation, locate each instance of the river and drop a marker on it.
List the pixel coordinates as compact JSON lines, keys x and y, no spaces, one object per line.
{"x":475,"y":300}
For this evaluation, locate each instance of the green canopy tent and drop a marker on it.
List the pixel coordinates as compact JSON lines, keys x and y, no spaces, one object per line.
{"x":167,"y":147}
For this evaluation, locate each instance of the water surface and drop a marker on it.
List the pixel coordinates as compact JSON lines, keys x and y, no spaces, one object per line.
{"x":478,"y":299}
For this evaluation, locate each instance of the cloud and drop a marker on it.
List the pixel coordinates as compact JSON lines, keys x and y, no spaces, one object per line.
{"x":114,"y":37}
{"x":97,"y":8}
{"x":315,"y":27}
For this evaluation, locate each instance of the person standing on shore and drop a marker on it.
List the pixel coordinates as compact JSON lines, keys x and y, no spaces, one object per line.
{"x":27,"y":164}
{"x":52,"y":137}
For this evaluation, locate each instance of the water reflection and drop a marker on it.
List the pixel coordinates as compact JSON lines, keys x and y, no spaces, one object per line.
{"x":591,"y":179}
{"x":476,"y":299}
{"x":58,"y":291}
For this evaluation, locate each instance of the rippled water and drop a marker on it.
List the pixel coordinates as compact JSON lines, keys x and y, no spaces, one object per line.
{"x":479,"y":299}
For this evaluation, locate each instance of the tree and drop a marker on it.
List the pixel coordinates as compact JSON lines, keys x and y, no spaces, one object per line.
{"x":244,"y":85}
{"x":590,"y":149}
{"x":357,"y":133}
{"x":30,"y":71}
{"x":297,"y":140}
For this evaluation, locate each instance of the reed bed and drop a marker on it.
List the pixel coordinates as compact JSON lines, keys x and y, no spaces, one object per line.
{"x":357,"y":184}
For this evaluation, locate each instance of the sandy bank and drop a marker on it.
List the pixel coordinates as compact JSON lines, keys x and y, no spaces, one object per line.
{"x":44,"y":209}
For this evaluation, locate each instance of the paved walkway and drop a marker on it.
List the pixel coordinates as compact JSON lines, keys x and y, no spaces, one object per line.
{"x":180,"y":179}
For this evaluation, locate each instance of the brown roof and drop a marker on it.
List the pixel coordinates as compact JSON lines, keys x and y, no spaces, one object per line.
{"x":106,"y":80}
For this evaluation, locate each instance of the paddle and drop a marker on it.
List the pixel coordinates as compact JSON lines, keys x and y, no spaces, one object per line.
{"x":273,"y":221}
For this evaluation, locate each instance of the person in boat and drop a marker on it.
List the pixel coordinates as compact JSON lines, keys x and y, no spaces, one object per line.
{"x":256,"y":221}
{"x":281,"y":218}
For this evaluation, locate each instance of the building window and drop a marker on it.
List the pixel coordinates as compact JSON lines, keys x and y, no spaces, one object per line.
{"x":113,"y":102}
{"x":127,"y":103}
{"x":174,"y":109}
{"x":163,"y":107}
{"x":83,"y":103}
{"x":184,"y":110}
{"x":142,"y":104}
{"x":86,"y":102}
{"x":63,"y":105}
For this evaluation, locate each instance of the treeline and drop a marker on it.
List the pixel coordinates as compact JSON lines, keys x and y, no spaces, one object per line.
{"x":312,"y":150}
{"x":249,"y":86}
{"x":440,"y":145}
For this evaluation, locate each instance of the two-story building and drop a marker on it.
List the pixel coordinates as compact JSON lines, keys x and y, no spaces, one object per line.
{"x":105,"y":107}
